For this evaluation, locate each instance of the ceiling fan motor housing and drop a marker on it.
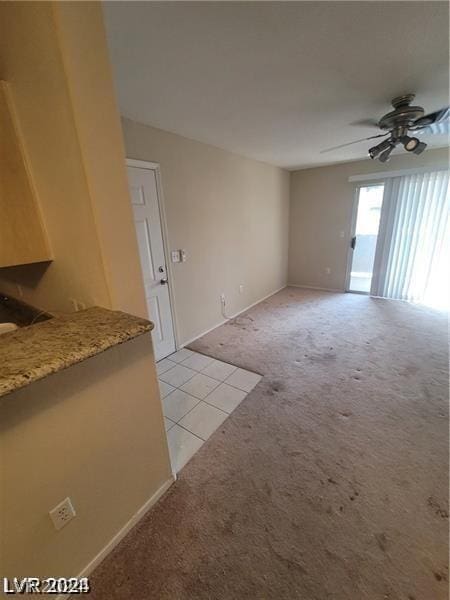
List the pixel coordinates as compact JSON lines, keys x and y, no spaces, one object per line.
{"x":399,"y":123}
{"x":402,"y":117}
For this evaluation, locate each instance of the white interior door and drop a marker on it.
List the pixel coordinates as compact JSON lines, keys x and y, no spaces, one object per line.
{"x":145,"y":202}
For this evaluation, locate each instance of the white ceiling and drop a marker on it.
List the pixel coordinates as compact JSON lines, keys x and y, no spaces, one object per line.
{"x":277,"y":81}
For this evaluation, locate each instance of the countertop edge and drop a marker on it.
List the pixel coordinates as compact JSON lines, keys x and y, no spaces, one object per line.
{"x":67,"y":341}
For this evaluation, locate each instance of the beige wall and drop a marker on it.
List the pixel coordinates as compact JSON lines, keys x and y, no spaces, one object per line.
{"x":63,"y":93}
{"x":231,"y":216}
{"x":321,"y":208}
{"x":94,"y":433}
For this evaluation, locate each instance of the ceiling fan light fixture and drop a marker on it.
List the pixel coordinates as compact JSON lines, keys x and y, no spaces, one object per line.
{"x":382,"y":148}
{"x":374,"y":152}
{"x":398,"y":123}
{"x":410,"y":143}
{"x":421,"y":146}
{"x":386,"y":155}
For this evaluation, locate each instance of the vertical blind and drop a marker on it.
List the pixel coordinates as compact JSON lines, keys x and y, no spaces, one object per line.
{"x":412,"y":260}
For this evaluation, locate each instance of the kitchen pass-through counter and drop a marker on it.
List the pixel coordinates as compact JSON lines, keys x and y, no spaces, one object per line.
{"x":31,"y":353}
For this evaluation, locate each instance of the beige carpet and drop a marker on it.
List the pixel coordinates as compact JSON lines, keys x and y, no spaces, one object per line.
{"x":330,"y":480}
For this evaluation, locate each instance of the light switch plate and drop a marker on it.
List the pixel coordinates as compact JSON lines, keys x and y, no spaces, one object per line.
{"x":175,"y":256}
{"x":183,"y":255}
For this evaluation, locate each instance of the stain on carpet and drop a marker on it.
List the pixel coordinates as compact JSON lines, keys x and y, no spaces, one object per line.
{"x":328,"y":482}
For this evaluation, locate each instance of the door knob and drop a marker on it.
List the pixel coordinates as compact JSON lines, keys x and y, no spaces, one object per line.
{"x":163,"y":281}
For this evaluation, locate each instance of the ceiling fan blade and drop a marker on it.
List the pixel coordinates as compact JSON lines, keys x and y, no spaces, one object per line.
{"x":354,"y":142}
{"x":435,"y":117}
{"x":366,"y":123}
{"x":440,"y":128}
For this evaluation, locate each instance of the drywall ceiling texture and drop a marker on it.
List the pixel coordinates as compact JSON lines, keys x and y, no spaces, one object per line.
{"x":230,"y":214}
{"x":321,"y":207}
{"x":276,"y":81}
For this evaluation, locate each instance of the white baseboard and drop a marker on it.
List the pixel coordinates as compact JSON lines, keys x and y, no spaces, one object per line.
{"x":123,"y":532}
{"x":259,"y":301}
{"x":313,"y":287}
{"x":222,"y":322}
{"x":231,"y":317}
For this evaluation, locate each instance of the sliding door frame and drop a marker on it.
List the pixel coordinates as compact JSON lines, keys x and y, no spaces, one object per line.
{"x":354,"y":217}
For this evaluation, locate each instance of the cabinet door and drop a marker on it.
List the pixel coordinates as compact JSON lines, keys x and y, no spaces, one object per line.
{"x":22,"y":235}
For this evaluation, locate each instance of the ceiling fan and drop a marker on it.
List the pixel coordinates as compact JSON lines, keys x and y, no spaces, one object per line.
{"x":399,"y":123}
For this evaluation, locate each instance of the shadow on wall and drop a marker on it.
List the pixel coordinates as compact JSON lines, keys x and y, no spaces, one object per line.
{"x":27,"y":275}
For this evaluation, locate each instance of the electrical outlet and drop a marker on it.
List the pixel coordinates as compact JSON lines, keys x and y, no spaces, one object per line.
{"x":77,"y":304}
{"x":328,"y":271}
{"x":222,"y":298}
{"x":241,"y":289}
{"x":62,"y":514}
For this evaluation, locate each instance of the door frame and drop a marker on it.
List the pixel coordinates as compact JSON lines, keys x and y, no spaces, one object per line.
{"x":155,"y":167}
{"x":354,"y":217}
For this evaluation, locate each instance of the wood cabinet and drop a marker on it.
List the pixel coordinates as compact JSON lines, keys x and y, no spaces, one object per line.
{"x":23,"y":238}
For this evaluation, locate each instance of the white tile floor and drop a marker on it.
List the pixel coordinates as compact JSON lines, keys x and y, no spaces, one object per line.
{"x":198,"y":393}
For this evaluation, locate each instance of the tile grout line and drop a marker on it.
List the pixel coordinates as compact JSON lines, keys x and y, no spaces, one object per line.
{"x":221,"y":409}
{"x":212,"y":359}
{"x":219,"y":382}
{"x":176,"y":387}
{"x":199,"y":400}
{"x":247,"y":392}
{"x":178,"y":422}
{"x":180,"y":363}
{"x":191,"y":432}
{"x":189,"y":411}
{"x":202,"y":400}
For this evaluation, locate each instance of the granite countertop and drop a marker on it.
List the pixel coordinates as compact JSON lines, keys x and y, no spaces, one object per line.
{"x":33,"y":352}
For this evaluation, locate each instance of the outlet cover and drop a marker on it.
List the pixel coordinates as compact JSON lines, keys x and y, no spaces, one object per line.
{"x":63,"y":513}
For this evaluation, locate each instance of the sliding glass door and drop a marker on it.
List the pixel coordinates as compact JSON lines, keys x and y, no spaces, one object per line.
{"x":401,"y":243}
{"x":413,"y":252}
{"x":364,"y":241}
